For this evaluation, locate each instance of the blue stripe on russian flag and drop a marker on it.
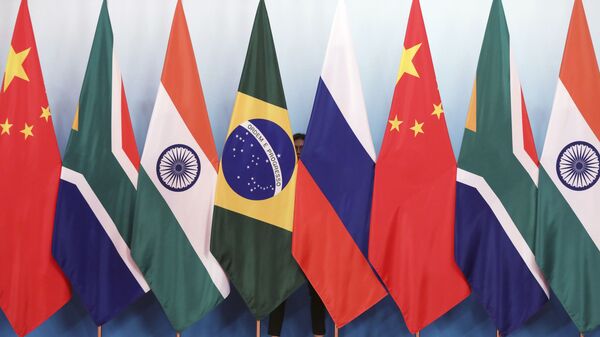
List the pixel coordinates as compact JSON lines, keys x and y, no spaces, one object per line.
{"x":340,"y":166}
{"x":89,"y":259}
{"x":497,"y":273}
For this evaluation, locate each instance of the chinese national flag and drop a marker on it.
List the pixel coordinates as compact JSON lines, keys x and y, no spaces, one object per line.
{"x":32,"y":287}
{"x":412,"y":222}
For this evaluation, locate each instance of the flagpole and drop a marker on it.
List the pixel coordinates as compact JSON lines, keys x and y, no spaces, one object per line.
{"x":178,"y":335}
{"x":418,"y":334}
{"x":498,"y":333}
{"x":257,"y":328}
{"x":99,"y":330}
{"x":336,"y":332}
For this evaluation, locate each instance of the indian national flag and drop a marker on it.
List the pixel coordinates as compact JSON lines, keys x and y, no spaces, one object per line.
{"x":568,"y":229}
{"x":176,"y":186}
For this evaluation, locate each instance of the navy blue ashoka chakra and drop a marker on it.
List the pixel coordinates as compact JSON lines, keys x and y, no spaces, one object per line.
{"x":178,"y":167}
{"x":578,"y":166}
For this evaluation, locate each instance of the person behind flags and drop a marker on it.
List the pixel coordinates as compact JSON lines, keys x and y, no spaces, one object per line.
{"x":317,"y":308}
{"x":171,"y":231}
{"x":32,"y":286}
{"x":335,"y":181}
{"x":96,"y":196}
{"x":568,"y":229}
{"x":412,"y":221}
{"x":254,"y":201}
{"x":496,"y":189}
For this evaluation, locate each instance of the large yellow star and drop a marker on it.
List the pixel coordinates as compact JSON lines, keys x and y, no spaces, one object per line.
{"x":14,"y":66}
{"x":27,"y":131}
{"x":395,"y":124}
{"x":406,"y":64}
{"x":437,"y":110}
{"x":5,"y":127}
{"x":418,"y":128}
{"x":45,"y":113}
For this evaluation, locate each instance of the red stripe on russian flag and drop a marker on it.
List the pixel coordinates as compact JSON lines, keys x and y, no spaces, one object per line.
{"x":319,"y":243}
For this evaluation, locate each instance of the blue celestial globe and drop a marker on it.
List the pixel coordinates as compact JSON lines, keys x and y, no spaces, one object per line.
{"x":258,"y":159}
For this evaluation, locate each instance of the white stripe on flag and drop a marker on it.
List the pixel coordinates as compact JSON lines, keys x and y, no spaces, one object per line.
{"x":516,"y":110}
{"x":106,"y":221}
{"x":342,"y":78}
{"x":567,"y":125}
{"x":506,"y":221}
{"x":116,"y":130}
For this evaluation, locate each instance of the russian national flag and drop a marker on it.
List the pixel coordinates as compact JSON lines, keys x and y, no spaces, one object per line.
{"x":335,"y":182}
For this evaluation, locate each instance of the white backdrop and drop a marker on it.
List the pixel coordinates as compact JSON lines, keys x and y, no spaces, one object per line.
{"x":220,"y":31}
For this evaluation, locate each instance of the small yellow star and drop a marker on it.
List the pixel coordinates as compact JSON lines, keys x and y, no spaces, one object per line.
{"x":418,"y":128}
{"x":437,"y":110}
{"x":27,"y":131}
{"x":45,"y":113}
{"x":14,"y":66}
{"x":395,"y":124}
{"x":406,"y":63}
{"x":5,"y":127}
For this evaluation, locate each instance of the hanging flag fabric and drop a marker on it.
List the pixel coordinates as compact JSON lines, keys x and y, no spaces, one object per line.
{"x":176,"y":185}
{"x":412,"y":221}
{"x":335,"y":181}
{"x":254,"y":205}
{"x":568,"y":232}
{"x":496,"y":189}
{"x":32,"y":286}
{"x":96,"y":196}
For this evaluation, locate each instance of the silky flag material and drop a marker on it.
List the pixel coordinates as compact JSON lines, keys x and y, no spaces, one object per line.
{"x":568,"y":232}
{"x":335,"y":182}
{"x":96,"y":196}
{"x":176,"y":185}
{"x":254,"y":205}
{"x":412,"y":221}
{"x":496,"y":189}
{"x":32,"y":286}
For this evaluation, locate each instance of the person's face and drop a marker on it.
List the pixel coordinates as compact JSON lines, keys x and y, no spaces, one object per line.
{"x":298,"y":144}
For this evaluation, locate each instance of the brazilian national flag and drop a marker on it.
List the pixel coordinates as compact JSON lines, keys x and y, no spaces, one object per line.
{"x":254,"y":205}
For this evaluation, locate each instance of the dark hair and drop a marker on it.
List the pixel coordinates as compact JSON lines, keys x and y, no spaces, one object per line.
{"x":299,"y":136}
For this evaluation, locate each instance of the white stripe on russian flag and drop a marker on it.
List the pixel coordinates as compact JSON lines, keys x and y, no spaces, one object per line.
{"x":344,"y":84}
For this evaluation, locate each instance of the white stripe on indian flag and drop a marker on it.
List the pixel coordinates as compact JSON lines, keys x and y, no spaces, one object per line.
{"x":116,"y":132}
{"x":106,"y":221}
{"x":507,"y":223}
{"x":567,"y":125}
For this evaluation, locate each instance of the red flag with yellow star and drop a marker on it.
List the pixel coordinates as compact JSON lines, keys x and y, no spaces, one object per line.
{"x":412,"y":221}
{"x":32,"y":287}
